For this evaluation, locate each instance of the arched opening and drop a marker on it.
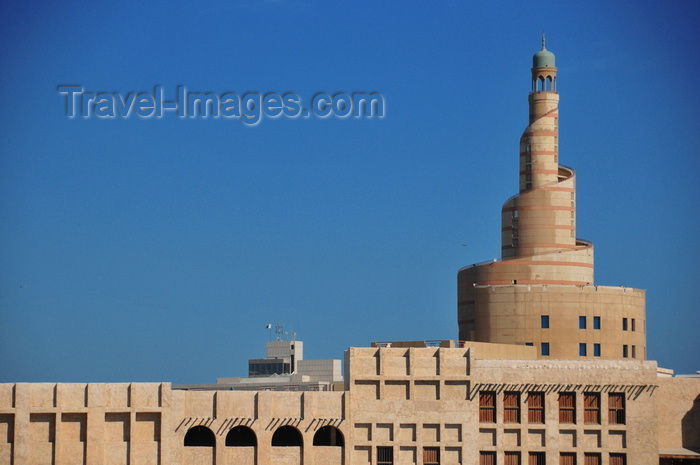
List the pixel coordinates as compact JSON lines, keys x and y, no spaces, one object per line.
{"x":329,"y":436}
{"x":200,"y":436}
{"x":287,"y":436}
{"x":548,"y":83}
{"x":241,"y":436}
{"x":540,"y":84}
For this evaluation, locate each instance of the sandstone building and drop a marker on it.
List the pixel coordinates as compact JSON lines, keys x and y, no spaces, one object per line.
{"x":549,"y":369}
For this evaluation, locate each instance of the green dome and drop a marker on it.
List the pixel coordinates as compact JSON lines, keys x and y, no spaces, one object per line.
{"x":543,"y":59}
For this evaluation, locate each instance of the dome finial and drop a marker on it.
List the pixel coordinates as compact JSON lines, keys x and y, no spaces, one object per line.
{"x":543,"y":41}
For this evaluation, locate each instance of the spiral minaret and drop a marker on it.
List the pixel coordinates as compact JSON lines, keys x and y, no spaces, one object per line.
{"x":541,"y":292}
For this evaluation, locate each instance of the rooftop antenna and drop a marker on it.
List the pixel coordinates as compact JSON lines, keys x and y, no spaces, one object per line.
{"x":279,"y":330}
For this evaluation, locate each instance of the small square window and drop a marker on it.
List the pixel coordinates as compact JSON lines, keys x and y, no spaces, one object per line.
{"x":596,"y":322}
{"x":537,"y":458}
{"x":582,"y":322}
{"x":618,"y":459}
{"x":596,"y":350}
{"x":582,"y":349}
{"x":544,"y":321}
{"x":545,"y":348}
{"x":431,"y":456}
{"x":385,"y":455}
{"x":487,"y":458}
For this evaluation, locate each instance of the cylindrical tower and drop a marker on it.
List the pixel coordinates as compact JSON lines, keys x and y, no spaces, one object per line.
{"x":542,"y":217}
{"x":541,"y":292}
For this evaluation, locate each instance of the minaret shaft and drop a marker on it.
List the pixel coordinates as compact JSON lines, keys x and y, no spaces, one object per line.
{"x":542,"y":217}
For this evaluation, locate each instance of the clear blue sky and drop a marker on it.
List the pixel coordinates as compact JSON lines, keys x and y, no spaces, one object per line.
{"x":158,"y":249}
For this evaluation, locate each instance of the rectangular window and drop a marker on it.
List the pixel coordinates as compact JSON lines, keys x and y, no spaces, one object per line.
{"x":634,"y":351}
{"x":545,"y":348}
{"x":624,"y":324}
{"x":487,"y":407}
{"x":582,"y":349}
{"x":582,"y":322}
{"x":618,"y":459}
{"x":544,"y":321}
{"x":591,"y":458}
{"x":567,"y":407}
{"x":596,"y":350}
{"x":591,"y":408}
{"x":529,"y":344}
{"x":616,"y":408}
{"x":487,"y":458}
{"x":511,"y":458}
{"x":385,"y":456}
{"x":511,"y":407}
{"x":596,"y":322}
{"x":536,"y":458}
{"x":535,"y":407}
{"x":431,"y":456}
{"x":634,"y":325}
{"x":567,"y":458}
{"x":624,"y":351}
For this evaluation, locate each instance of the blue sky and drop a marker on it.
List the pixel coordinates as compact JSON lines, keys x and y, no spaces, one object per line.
{"x":137,"y":249}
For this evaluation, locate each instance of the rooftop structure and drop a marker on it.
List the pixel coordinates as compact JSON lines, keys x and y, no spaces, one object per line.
{"x":283,"y":369}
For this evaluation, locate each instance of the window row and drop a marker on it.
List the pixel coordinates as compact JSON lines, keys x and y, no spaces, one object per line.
{"x":567,"y":407}
{"x":385,"y":455}
{"x":431,"y":456}
{"x":583,"y":349}
{"x":540,"y":458}
{"x":243,"y":436}
{"x":582,"y":322}
{"x":627,"y":323}
{"x":626,"y":351}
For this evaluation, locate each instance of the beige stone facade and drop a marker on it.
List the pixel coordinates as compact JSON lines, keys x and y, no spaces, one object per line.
{"x":406,"y":405}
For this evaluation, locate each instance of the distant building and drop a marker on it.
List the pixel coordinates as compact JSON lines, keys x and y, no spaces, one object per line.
{"x":284,"y":369}
{"x":549,"y":369}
